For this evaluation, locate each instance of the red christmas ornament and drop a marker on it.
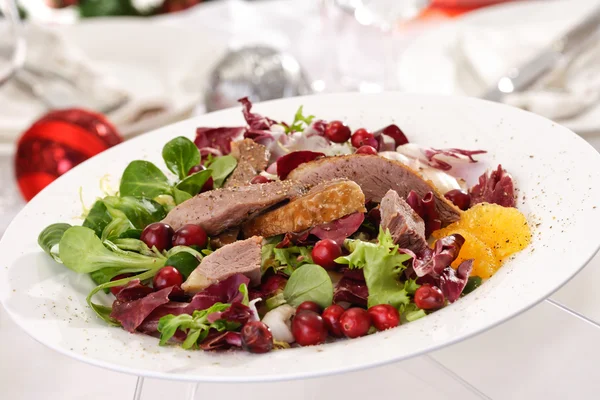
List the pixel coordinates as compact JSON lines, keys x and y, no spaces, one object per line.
{"x":56,"y":143}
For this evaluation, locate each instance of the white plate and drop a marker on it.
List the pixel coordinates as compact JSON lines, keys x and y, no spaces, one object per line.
{"x":555,"y":170}
{"x":149,"y":59}
{"x":428,"y":65}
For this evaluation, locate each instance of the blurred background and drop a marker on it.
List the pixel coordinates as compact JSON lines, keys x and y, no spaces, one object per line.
{"x":114,"y":69}
{"x":80,"y":76}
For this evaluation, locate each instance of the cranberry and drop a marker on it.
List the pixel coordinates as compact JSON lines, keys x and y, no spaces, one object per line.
{"x":209,"y":184}
{"x":355,"y":322}
{"x":331,"y":316}
{"x":362,"y":137}
{"x":325,"y":252}
{"x":116,"y":289}
{"x":384,"y":316}
{"x":190,"y":235}
{"x":157,"y":234}
{"x":460,"y":199}
{"x":366,"y":150}
{"x":166,"y":277}
{"x":309,"y":306}
{"x":308,"y":328}
{"x":260,"y":179}
{"x":257,"y":337}
{"x":337,"y":132}
{"x":429,"y":297}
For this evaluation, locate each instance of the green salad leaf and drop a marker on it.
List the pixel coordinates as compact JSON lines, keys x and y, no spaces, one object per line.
{"x":286,"y":259}
{"x":83,"y":252}
{"x":180,"y":196}
{"x":410,"y":312}
{"x":221,"y":167}
{"x":472,"y":283}
{"x":97,"y":218}
{"x":310,"y":282}
{"x":140,"y":211}
{"x":244,"y":291}
{"x":411,"y":286}
{"x":196,"y":326}
{"x":193,"y":183}
{"x":300,"y":122}
{"x":131,"y":234}
{"x":50,"y":237}
{"x":180,"y":155}
{"x":381,"y":263}
{"x":143,"y":179}
{"x":115,"y":229}
{"x":183,"y":262}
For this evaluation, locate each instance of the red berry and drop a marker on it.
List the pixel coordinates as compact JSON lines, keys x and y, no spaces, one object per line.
{"x":363,"y":137}
{"x":355,"y":322}
{"x":260,"y":179}
{"x":309,"y":306}
{"x":116,"y":289}
{"x":364,"y":149}
{"x":209,"y":184}
{"x":190,"y":235}
{"x":257,"y":337}
{"x":158,"y":235}
{"x":460,"y":199}
{"x":309,"y":328}
{"x":331,"y":317}
{"x":325,"y":252}
{"x":429,"y":297}
{"x":337,"y":132}
{"x":384,"y":316}
{"x":166,"y":277}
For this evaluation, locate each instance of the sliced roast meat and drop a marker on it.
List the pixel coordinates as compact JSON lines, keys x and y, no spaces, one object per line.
{"x":221,"y":209}
{"x":241,"y":257}
{"x":375,"y":175}
{"x":405,"y":225}
{"x":325,"y":202}
{"x":252,"y":158}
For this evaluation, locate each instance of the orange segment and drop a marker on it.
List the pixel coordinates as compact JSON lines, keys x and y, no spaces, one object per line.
{"x":485,"y":264}
{"x":491,"y":232}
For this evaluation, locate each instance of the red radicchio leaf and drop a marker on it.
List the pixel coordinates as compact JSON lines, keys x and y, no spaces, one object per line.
{"x":434,"y":162}
{"x":339,"y":229}
{"x":351,"y":291}
{"x":134,"y":290}
{"x":132,"y":313}
{"x":226,"y":291}
{"x":261,"y":137}
{"x":294,"y":238}
{"x":289,"y":162}
{"x":237,"y":312}
{"x":453,"y":282}
{"x":354,"y":274}
{"x":217,"y":138}
{"x":494,"y":187}
{"x":394,"y":132}
{"x":221,"y":340}
{"x":255,"y":121}
{"x":434,"y":261}
{"x":426,"y":210}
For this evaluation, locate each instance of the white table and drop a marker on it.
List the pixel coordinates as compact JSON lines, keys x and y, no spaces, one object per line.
{"x":545,"y":353}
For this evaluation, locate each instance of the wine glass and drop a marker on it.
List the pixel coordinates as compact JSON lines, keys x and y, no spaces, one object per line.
{"x":369,"y":38}
{"x":12,"y":40}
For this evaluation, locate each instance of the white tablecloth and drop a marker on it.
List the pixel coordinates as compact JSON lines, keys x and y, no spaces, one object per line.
{"x":542,"y":354}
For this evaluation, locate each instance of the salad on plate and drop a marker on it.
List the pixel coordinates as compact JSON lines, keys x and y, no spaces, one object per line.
{"x":274,"y":235}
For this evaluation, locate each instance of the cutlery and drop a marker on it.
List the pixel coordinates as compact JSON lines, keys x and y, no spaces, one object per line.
{"x":524,"y":76}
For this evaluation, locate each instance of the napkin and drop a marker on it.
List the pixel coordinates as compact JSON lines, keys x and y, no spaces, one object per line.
{"x":483,"y":55}
{"x":48,"y":52}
